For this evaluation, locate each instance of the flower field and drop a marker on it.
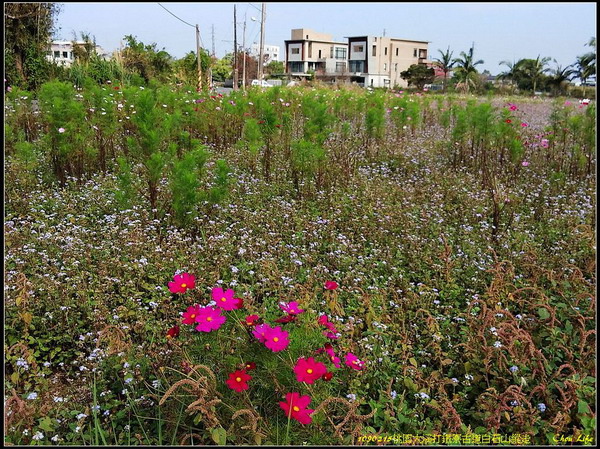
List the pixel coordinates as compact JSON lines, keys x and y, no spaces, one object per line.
{"x":300,"y":265}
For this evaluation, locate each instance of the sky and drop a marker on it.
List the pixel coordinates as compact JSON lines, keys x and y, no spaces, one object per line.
{"x":499,"y":31}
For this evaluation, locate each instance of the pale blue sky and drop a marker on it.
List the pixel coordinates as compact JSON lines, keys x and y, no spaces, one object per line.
{"x":500,"y":31}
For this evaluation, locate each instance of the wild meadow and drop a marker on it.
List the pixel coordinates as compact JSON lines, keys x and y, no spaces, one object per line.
{"x":302,"y":265}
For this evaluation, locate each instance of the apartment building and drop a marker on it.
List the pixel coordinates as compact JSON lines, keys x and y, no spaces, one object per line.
{"x":61,"y":52}
{"x":378,"y":61}
{"x":270,"y":52}
{"x":310,"y":51}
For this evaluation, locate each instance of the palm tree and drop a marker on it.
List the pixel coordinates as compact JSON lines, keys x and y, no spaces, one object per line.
{"x":511,"y":73}
{"x":585,"y":66}
{"x":559,"y":75}
{"x":534,"y":69}
{"x":466,"y":67}
{"x":445,"y":63}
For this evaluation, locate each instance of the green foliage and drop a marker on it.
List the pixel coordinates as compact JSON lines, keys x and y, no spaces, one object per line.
{"x":185,"y":183}
{"x":418,"y":75}
{"x":28,"y":28}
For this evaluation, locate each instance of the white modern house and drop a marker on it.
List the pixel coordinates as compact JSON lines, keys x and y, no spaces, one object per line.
{"x":61,"y":52}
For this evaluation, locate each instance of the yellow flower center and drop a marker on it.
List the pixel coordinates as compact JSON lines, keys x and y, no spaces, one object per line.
{"x":209,"y":319}
{"x":296,"y":408}
{"x":193,"y":315}
{"x":309,"y":371}
{"x":183,"y":285}
{"x":223,"y":299}
{"x":275,"y":339}
{"x":238,"y":379}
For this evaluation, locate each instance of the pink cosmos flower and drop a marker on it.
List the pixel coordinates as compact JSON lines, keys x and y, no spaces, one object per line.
{"x":332,"y":331}
{"x":259,"y":332}
{"x":524,"y":163}
{"x":295,"y":407}
{"x":524,"y":125}
{"x":331,"y":285}
{"x":209,"y":319}
{"x":276,"y":339}
{"x":331,"y":353}
{"x":225,"y":299}
{"x":291,"y":308}
{"x":182,"y":282}
{"x":354,"y":362}
{"x":61,"y":130}
{"x":238,"y":380}
{"x":513,"y":107}
{"x":309,"y":370}
{"x":545,"y":143}
{"x":189,"y":316}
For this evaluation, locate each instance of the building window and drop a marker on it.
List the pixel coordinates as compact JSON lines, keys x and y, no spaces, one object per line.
{"x":358,"y":48}
{"x":385,"y":51}
{"x":396,"y":67}
{"x":384,"y":66}
{"x":340,"y":53}
{"x":65,"y":54}
{"x":397,"y":52}
{"x":57,"y":54}
{"x":374,"y":50}
{"x":320,"y":54}
{"x":423,"y":54}
{"x":340,"y":67}
{"x":357,"y":66}
{"x":295,"y":51}
{"x":296,"y":67}
{"x":415,"y":52}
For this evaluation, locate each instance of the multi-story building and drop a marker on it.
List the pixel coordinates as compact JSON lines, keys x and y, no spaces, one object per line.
{"x":310,"y":51}
{"x":270,"y":52}
{"x":61,"y":52}
{"x":378,"y":61}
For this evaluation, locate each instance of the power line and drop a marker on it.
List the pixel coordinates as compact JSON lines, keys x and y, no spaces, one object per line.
{"x":193,"y":26}
{"x":189,"y":24}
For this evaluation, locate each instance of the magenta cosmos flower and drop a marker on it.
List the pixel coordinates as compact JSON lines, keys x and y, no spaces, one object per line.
{"x":276,"y":339}
{"x":182,"y":282}
{"x":260,"y":331}
{"x":238,"y":380}
{"x":291,"y":308}
{"x":295,"y":407}
{"x":332,"y":332}
{"x":209,"y":319}
{"x":225,"y":299}
{"x":331,"y":285}
{"x":354,"y":362}
{"x":308,"y":370}
{"x":331,"y":354}
{"x":189,"y":316}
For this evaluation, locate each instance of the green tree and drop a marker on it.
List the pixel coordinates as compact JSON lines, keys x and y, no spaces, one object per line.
{"x":445,"y":63}
{"x":185,"y":70}
{"x":28,"y":28}
{"x":146,"y":60}
{"x":223,"y":68}
{"x":275,"y":68}
{"x":466,"y":70}
{"x":418,"y":75}
{"x":532,"y":72}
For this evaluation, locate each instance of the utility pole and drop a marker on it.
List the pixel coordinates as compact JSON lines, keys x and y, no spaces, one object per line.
{"x":244,"y":61}
{"x":213,"y":39}
{"x":262,"y":41}
{"x":198,"y":57}
{"x":235,"y":52}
